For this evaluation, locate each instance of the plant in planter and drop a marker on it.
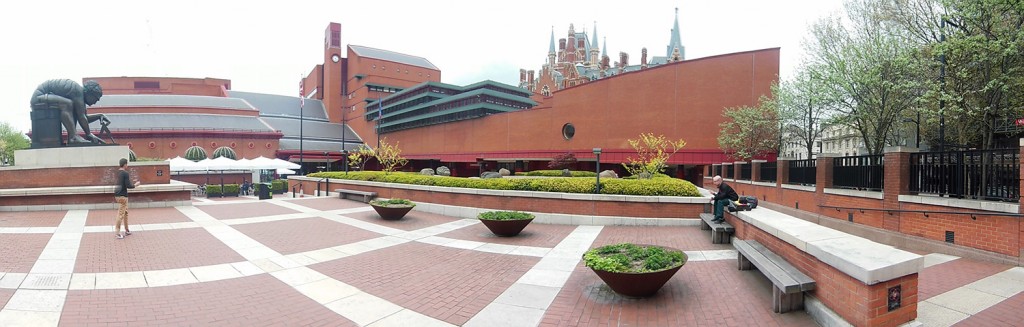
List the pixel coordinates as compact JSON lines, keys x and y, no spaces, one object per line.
{"x":392,"y":209}
{"x":505,"y":223}
{"x":635,"y":270}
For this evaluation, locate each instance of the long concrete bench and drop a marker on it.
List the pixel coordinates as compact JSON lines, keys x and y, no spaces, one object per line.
{"x":790,"y":284}
{"x":720,"y":232}
{"x":366,"y":196}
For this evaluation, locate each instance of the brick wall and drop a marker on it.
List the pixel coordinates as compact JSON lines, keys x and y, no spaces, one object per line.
{"x":147,"y":173}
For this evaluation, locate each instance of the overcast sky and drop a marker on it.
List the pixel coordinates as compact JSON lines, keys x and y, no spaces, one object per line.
{"x":268,"y":46}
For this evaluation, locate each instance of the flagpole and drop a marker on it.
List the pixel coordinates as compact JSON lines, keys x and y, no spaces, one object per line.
{"x":380,"y":116}
{"x":302,"y":103}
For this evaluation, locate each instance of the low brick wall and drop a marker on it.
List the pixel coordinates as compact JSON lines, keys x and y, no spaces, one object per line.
{"x":156,"y":172}
{"x":547,"y":202}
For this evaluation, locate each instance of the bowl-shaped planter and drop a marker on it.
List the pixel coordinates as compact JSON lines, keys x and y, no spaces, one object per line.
{"x":505,"y":223}
{"x":392,"y":209}
{"x":635,"y":270}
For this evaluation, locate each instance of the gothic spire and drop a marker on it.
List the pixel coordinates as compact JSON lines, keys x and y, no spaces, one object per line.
{"x":674,"y":42}
{"x":593,"y":40}
{"x":551,"y":48}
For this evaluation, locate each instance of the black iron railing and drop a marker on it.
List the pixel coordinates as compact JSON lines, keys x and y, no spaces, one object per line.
{"x":769,"y":171}
{"x":859,"y":172}
{"x":745,"y":172}
{"x":803,"y":172}
{"x":727,"y":171}
{"x":971,"y":174}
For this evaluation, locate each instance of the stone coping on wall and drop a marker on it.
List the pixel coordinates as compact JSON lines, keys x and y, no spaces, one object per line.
{"x":102,"y":189}
{"x":559,"y":219}
{"x":510,"y":193}
{"x":768,"y":184}
{"x":860,"y":258}
{"x":81,"y":165}
{"x":96,"y":206}
{"x":799,"y":187}
{"x":856,"y":193}
{"x":962,"y":203}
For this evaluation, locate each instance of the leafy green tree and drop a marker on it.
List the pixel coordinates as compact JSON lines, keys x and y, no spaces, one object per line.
{"x":389,"y":156}
{"x":750,"y":131}
{"x":357,"y":159}
{"x":652,"y":153}
{"x":11,"y":140}
{"x":803,"y":105}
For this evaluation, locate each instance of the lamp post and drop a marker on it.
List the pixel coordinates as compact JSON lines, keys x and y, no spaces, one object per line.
{"x":917,"y":125}
{"x":344,"y":160}
{"x":597,"y":152}
{"x":480,"y":165}
{"x":327,"y":161}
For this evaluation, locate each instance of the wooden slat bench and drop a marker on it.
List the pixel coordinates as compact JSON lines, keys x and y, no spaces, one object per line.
{"x":720,"y":232}
{"x":366,"y":196}
{"x":789,"y":283}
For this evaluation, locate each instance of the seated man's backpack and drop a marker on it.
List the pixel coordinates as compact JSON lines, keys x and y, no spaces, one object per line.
{"x":750,"y":201}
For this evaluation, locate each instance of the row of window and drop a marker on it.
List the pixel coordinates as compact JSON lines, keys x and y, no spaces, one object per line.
{"x":463,"y":115}
{"x":398,"y":70}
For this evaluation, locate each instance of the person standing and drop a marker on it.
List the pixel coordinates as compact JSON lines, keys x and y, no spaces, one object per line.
{"x":722,"y":197}
{"x":121,"y":196}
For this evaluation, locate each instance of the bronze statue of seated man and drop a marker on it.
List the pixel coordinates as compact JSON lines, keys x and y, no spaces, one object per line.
{"x":71,"y":99}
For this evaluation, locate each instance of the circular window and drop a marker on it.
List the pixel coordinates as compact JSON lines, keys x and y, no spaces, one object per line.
{"x":568,"y":131}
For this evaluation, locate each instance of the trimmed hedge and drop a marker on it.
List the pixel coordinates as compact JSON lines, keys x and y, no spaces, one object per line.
{"x":278,"y":186}
{"x":659,"y":185}
{"x":557,"y":173}
{"x":230,"y":189}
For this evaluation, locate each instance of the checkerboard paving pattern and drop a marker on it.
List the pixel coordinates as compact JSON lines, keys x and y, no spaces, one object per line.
{"x":18,"y":252}
{"x":412,"y":221}
{"x":136,"y":216}
{"x":151,"y":250}
{"x":31,"y":218}
{"x":244,"y":210}
{"x":305,"y":234}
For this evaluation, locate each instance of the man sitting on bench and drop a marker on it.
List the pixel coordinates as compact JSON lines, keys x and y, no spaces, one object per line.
{"x":722,"y":197}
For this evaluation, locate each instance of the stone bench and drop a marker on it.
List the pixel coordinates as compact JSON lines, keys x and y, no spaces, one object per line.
{"x":720,"y":232}
{"x":366,"y":196}
{"x":790,"y":284}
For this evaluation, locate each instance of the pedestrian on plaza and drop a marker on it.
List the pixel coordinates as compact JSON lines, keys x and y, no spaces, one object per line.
{"x":121,"y":196}
{"x":722,"y":197}
{"x":245,"y":187}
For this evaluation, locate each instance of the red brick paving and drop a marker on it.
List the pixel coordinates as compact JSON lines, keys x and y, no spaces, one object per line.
{"x":326,"y":204}
{"x":31,"y":218}
{"x":5,"y":295}
{"x":687,"y":238}
{"x":137,"y":216}
{"x":18,"y":252}
{"x":445,"y":283}
{"x":947,"y":276}
{"x":542,"y":235}
{"x":708,"y":293}
{"x":152,"y":250}
{"x":300,"y":235}
{"x":244,"y":210}
{"x":412,"y":221}
{"x":259,"y":300}
{"x":1006,"y":313}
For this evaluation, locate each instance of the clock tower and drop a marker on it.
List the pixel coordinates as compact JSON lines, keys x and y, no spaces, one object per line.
{"x":333,"y":73}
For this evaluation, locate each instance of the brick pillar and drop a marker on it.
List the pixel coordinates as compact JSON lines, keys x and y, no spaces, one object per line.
{"x":755,"y":170}
{"x":781,"y":176}
{"x":1021,"y":210}
{"x":822,"y":178}
{"x":897,"y":182}
{"x":736,"y":167}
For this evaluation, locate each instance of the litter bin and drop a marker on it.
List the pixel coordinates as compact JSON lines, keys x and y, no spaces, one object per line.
{"x":263,"y":190}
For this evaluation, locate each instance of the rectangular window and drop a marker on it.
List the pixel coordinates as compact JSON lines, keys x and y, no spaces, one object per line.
{"x":147,"y":85}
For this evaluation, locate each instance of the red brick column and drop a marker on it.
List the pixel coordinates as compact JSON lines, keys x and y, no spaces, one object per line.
{"x":755,"y":170}
{"x":897,"y":182}
{"x":736,"y":167}
{"x":781,"y":176}
{"x":823,"y":175}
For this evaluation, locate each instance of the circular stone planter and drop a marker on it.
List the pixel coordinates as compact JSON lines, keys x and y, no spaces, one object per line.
{"x":393,"y":212}
{"x":506,"y":227}
{"x":638,"y":284}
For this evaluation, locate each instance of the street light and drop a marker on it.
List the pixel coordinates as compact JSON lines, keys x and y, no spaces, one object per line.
{"x":597,"y":152}
{"x":344,"y":160}
{"x":917,"y":125}
{"x":327,"y":161}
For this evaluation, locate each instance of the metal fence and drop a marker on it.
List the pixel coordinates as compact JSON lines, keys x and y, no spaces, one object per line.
{"x":803,"y":172}
{"x":971,"y":174}
{"x":859,"y":172}
{"x":769,"y":171}
{"x":727,"y":171}
{"x":745,"y":172}
{"x":716,"y":170}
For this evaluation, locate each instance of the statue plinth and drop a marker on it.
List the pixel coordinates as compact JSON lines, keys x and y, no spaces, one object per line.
{"x":72,"y":156}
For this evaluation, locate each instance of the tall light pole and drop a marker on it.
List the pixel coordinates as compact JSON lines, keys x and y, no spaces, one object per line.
{"x":917,"y":125}
{"x":942,"y":87}
{"x":597,"y":153}
{"x":327,"y":161}
{"x":344,"y":160}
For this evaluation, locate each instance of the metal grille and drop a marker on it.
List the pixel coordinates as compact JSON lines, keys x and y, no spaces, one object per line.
{"x":971,"y":174}
{"x":803,"y":172}
{"x":769,"y":171}
{"x":859,"y":172}
{"x":745,"y":172}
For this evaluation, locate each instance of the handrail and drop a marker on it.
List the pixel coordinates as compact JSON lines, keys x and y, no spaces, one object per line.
{"x":326,"y":187}
{"x":293,"y":189}
{"x":925,"y":212}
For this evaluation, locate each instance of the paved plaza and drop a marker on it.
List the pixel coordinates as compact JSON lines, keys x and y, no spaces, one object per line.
{"x":333,"y":262}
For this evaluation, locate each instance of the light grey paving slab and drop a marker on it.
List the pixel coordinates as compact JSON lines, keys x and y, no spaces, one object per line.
{"x":266,"y":265}
{"x":135,"y":279}
{"x":12,"y":280}
{"x":542,"y":277}
{"x":1015,"y":273}
{"x":464,"y":244}
{"x":53,"y":266}
{"x":436,"y":240}
{"x":496,"y":248}
{"x":559,"y":264}
{"x":41,"y":230}
{"x":64,"y":244}
{"x":408,"y":318}
{"x":933,"y":315}
{"x":327,"y":290}
{"x":298,"y":276}
{"x":383,"y":242}
{"x":82,"y":281}
{"x":293,"y":206}
{"x":37,"y":300}
{"x":363,"y":308}
{"x":932,"y":259}
{"x":352,"y":248}
{"x":530,"y":251}
{"x":58,"y":254}
{"x":324,"y":255}
{"x":283,"y":261}
{"x":152,"y":227}
{"x":996,"y":285}
{"x":302,"y":259}
{"x":105,"y":229}
{"x":528,"y":296}
{"x":966,"y":300}
{"x":168,"y":277}
{"x":499,"y":314}
{"x":13,"y":230}
{"x":247,"y":268}
{"x":256,"y":253}
{"x":214,"y":272}
{"x":46,"y":281}
{"x":364,"y":225}
{"x":695,"y":256}
{"x":720,"y":255}
{"x":28,"y":318}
